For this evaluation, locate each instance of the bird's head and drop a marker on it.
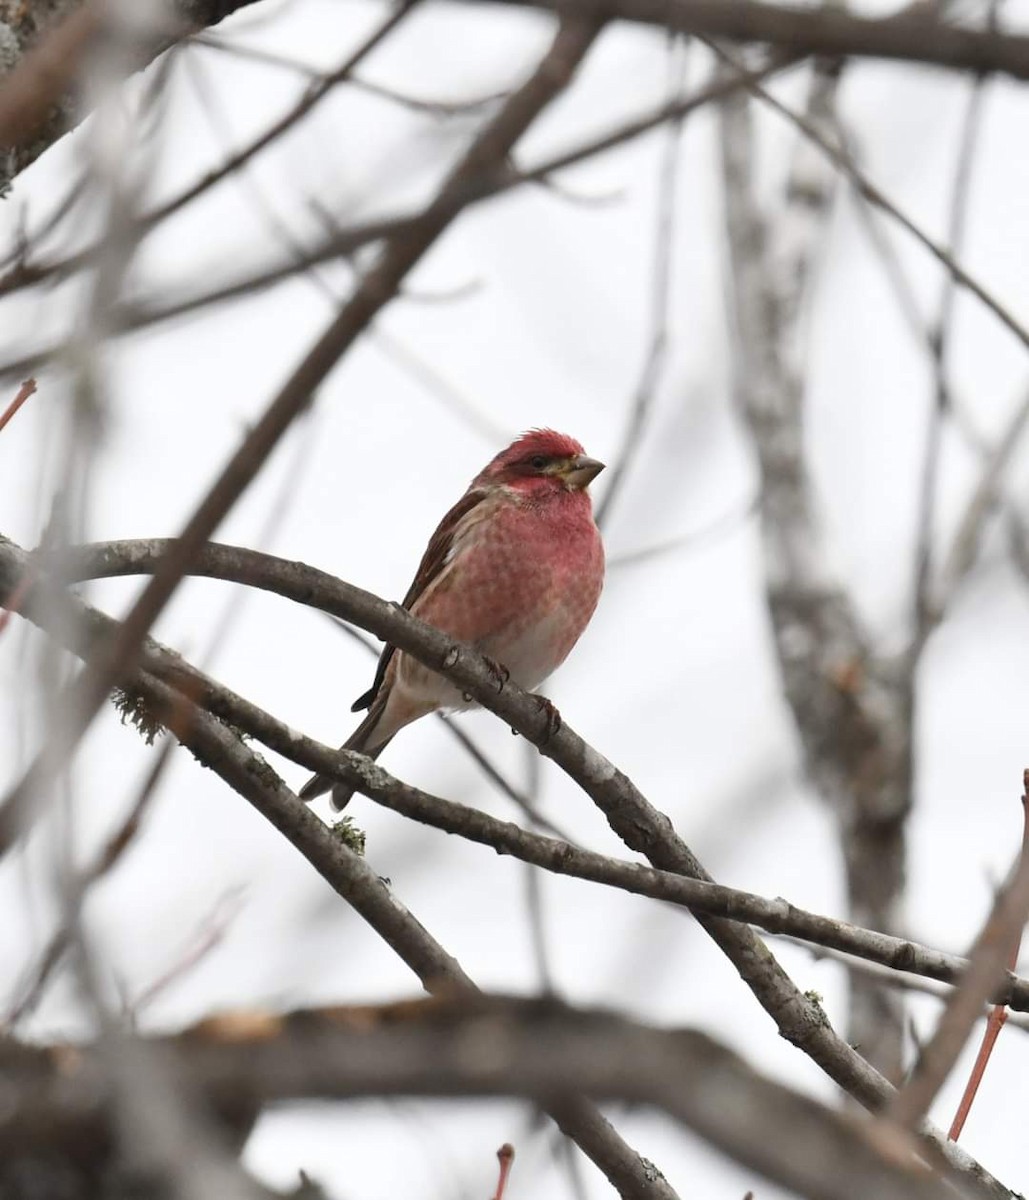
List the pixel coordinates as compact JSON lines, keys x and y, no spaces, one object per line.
{"x":541,"y":463}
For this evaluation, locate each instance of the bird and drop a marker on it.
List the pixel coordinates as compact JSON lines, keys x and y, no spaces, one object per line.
{"x":515,"y":570}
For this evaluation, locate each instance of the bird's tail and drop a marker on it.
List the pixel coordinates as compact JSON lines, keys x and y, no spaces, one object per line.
{"x":363,"y":741}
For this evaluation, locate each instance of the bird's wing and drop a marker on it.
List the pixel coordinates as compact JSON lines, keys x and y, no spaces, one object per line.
{"x":434,"y":561}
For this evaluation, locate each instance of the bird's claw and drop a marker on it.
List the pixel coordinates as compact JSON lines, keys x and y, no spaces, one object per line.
{"x":553,"y":717}
{"x":498,"y":671}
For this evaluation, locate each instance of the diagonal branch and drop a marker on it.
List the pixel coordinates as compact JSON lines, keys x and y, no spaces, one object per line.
{"x":219,"y":748}
{"x":961,"y":553}
{"x":941,"y":403}
{"x":642,"y":827}
{"x":552,"y":853}
{"x":25,"y":274}
{"x":45,"y":43}
{"x":115,"y":658}
{"x":655,"y":360}
{"x":996,"y":942}
{"x":345,"y":241}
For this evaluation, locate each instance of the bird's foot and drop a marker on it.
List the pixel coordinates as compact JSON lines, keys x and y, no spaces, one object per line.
{"x":498,"y":671}
{"x":553,"y":717}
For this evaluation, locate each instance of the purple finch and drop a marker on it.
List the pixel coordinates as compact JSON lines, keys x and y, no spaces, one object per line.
{"x":514,"y":569}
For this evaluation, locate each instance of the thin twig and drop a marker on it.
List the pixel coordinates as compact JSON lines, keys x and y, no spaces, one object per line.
{"x":965,"y":544}
{"x":27,"y":389}
{"x":211,"y":933}
{"x":102,"y":865}
{"x":316,"y":78}
{"x":534,"y":887}
{"x":148,"y":221}
{"x":505,"y":1156}
{"x":694,"y":540}
{"x":939,"y":341}
{"x":843,"y":161}
{"x":986,"y":964}
{"x":660,"y":289}
{"x":434,"y":108}
{"x":142,"y":314}
{"x":998,"y":1014}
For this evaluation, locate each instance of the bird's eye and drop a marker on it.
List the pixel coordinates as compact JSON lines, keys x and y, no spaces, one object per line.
{"x":538,"y":462}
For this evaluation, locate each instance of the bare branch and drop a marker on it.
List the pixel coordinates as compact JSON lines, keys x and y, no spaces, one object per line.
{"x":27,"y":389}
{"x":776,"y":916}
{"x":844,"y":163}
{"x":642,"y":827}
{"x":925,"y":611}
{"x":52,"y":38}
{"x":660,"y":292}
{"x":986,"y":963}
{"x":145,"y":312}
{"x":963,"y":549}
{"x":543,"y":1050}
{"x":851,"y":716}
{"x":115,"y":658}
{"x":910,"y":36}
{"x":914,"y":34}
{"x":102,"y":865}
{"x":221,"y":750}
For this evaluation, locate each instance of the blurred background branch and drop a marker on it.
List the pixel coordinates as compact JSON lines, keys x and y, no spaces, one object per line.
{"x":852,"y":713}
{"x":767,"y":269}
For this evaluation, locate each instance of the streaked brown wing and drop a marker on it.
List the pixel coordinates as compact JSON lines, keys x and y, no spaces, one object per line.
{"x":433,"y":561}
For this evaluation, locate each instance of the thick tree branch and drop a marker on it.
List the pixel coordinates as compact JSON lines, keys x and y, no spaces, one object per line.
{"x":777,"y":916}
{"x":907,"y":37}
{"x":24,"y":274}
{"x":220,"y":749}
{"x":799,"y":1019}
{"x":42,"y":50}
{"x":496,"y":1046}
{"x":914,"y":35}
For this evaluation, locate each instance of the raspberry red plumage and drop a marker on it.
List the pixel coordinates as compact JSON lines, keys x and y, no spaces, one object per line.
{"x":514,"y":569}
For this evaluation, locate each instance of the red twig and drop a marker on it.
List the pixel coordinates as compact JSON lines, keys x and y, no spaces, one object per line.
{"x":505,"y":1155}
{"x":999,"y":1013}
{"x":26,"y":390}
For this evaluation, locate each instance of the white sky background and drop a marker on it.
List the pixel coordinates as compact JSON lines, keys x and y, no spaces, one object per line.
{"x":675,"y":680}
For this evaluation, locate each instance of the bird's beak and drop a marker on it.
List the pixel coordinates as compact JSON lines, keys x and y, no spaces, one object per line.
{"x":579,"y":472}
